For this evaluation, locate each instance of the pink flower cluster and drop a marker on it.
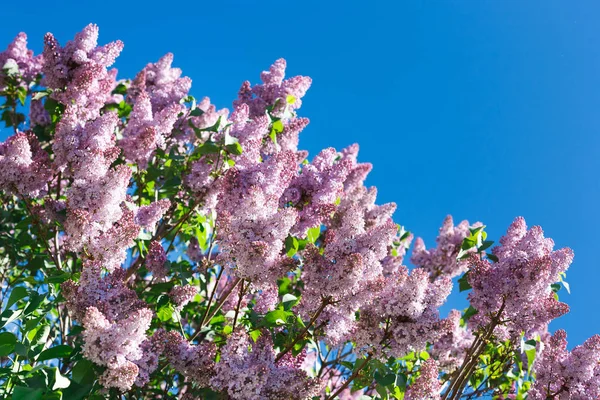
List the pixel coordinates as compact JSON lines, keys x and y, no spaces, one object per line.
{"x":450,"y":348}
{"x":248,"y":371}
{"x":24,"y":165}
{"x":77,"y":73}
{"x":427,"y":386}
{"x":563,"y":374}
{"x":147,"y":130}
{"x":405,"y":313}
{"x":518,"y":285}
{"x":19,"y":57}
{"x":442,"y":260}
{"x":116,"y":345}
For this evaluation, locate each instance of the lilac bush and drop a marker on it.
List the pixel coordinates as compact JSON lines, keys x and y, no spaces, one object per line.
{"x":153,"y":246}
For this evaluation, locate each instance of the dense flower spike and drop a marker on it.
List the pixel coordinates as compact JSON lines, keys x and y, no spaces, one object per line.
{"x":86,"y":152}
{"x":450,"y":348}
{"x":274,"y":87}
{"x":201,"y":254}
{"x":405,"y":313}
{"x":567,"y":374}
{"x":146,"y":131}
{"x":315,"y":191}
{"x":156,"y":260}
{"x":427,"y":385}
{"x":148,"y":216}
{"x":116,"y":346}
{"x":93,"y":207}
{"x":195,"y":362}
{"x":77,"y":73}
{"x":248,"y":371}
{"x":181,"y":295}
{"x":24,"y":165}
{"x":519,"y":283}
{"x":354,"y":246}
{"x":164,"y":84}
{"x":108,"y":293}
{"x":442,"y":260}
{"x":20,"y":61}
{"x":251,"y":226}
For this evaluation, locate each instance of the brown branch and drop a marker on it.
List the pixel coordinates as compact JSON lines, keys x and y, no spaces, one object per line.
{"x":351,"y":377}
{"x":324,"y":303}
{"x":471,"y":360}
{"x":218,"y":306}
{"x":158,"y":236}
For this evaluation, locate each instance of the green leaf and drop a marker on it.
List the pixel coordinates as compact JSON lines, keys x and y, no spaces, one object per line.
{"x":165,"y":313}
{"x":385,"y":379}
{"x":486,"y":244}
{"x":492,"y":257}
{"x":120,"y":89}
{"x":290,"y":99}
{"x":7,"y":343}
{"x":530,"y":350}
{"x":555,"y":287}
{"x":21,"y":349}
{"x":463,"y":282}
{"x":208,"y":147}
{"x":468,"y":313}
{"x":278,"y":126}
{"x":291,"y":246}
{"x":196,"y":112}
{"x":83,"y":372}
{"x":27,"y":393}
{"x":9,"y":316}
{"x":22,"y":94}
{"x":289,"y":301}
{"x":15,"y":295}
{"x":35,"y":300}
{"x":255,"y":334}
{"x":54,"y":395}
{"x":234,"y":148}
{"x":60,"y":351}
{"x":313,"y":234}
{"x":277,"y":318}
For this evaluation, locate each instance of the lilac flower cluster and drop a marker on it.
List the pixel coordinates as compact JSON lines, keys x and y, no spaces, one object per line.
{"x":248,"y":371}
{"x":181,"y":295}
{"x":563,"y":374}
{"x":405,"y":313}
{"x":162,"y":83}
{"x":450,"y":348}
{"x":24,"y":165}
{"x":518,"y":286}
{"x":442,"y":260}
{"x":18,"y":58}
{"x":146,"y":130}
{"x":251,"y":226}
{"x":427,"y":386}
{"x":77,"y":73}
{"x":116,"y":345}
{"x":316,"y":189}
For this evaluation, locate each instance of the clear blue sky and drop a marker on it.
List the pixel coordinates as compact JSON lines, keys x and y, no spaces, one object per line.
{"x":482,"y":109}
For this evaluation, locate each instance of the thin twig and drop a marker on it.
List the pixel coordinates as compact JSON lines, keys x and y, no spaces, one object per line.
{"x":324,"y":303}
{"x":218,"y":306}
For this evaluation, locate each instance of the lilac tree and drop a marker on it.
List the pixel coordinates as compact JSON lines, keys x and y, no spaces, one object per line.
{"x":152,"y":246}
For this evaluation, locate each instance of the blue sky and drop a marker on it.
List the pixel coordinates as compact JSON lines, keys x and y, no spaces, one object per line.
{"x":482,"y":109}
